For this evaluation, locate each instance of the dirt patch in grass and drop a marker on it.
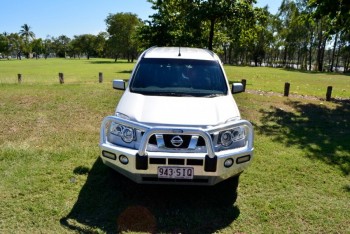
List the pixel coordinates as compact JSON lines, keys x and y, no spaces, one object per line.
{"x":306,"y":97}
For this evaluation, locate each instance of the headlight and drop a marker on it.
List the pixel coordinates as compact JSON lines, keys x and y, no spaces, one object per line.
{"x":226,"y":138}
{"x":127,"y":134}
{"x":232,"y":135}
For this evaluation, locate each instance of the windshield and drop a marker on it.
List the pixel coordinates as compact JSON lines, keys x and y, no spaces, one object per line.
{"x":178,"y":77}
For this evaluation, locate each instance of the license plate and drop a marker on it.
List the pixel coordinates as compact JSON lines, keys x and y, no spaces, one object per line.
{"x":175,"y":172}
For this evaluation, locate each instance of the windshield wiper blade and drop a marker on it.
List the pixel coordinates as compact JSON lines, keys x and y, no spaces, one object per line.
{"x":212,"y":95}
{"x":173,"y":94}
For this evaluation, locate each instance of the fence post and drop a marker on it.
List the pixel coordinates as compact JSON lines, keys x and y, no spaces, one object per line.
{"x":244,"y":83}
{"x":286,"y":89}
{"x":61,"y":78}
{"x":19,"y":78}
{"x":100,"y":77}
{"x":329,"y":93}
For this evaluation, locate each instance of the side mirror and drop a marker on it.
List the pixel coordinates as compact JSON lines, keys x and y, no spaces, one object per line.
{"x":237,"y":88}
{"x":119,"y":84}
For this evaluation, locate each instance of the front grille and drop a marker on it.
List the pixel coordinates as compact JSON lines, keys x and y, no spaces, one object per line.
{"x":176,"y":161}
{"x":152,"y":140}
{"x":165,"y":141}
{"x":201,"y":141}
{"x":195,"y":162}
{"x":159,"y":161}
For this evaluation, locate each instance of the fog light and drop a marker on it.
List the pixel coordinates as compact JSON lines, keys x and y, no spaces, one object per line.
{"x":243,"y":159}
{"x":123,"y":159}
{"x":228,"y":162}
{"x":109,"y":155}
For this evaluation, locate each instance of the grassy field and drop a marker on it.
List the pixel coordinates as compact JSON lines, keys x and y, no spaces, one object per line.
{"x":80,"y":71}
{"x":52,"y":180}
{"x":301,"y":83}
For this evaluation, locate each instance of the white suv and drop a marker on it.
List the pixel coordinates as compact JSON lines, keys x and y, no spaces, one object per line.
{"x":177,"y":121}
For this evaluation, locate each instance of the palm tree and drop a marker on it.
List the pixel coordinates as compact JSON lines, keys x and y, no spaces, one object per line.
{"x":27,"y":34}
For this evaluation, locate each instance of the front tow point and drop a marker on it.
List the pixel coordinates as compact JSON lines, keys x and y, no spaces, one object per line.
{"x":141,"y":162}
{"x":210,"y":163}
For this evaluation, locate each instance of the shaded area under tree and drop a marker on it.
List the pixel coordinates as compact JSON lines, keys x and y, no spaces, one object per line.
{"x":323,"y":133}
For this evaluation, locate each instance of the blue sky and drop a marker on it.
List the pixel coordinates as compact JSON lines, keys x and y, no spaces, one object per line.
{"x":74,"y":17}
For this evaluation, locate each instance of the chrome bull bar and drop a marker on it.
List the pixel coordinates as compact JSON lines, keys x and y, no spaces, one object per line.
{"x":205,"y":133}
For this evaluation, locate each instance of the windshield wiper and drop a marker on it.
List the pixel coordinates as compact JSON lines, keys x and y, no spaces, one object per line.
{"x":173,"y":94}
{"x":212,"y":95}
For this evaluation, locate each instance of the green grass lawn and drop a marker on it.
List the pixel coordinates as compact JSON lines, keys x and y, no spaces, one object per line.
{"x":301,"y":83}
{"x":79,"y":71}
{"x":76,"y":71}
{"x":52,"y":180}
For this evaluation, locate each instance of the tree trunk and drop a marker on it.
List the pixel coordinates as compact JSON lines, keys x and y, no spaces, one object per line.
{"x":346,"y":64}
{"x":277,"y":58}
{"x":211,"y":34}
{"x":323,"y":46}
{"x":310,"y":56}
{"x":285,"y":57}
{"x":305,"y":57}
{"x":230,"y":55}
{"x":298,"y":59}
{"x":333,"y":53}
{"x":322,"y":39}
{"x":337,"y":62}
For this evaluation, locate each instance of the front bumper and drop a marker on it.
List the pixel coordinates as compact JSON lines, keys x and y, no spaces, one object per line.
{"x":208,"y":167}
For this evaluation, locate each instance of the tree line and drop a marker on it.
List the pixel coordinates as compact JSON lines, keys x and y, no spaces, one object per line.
{"x":303,"y":34}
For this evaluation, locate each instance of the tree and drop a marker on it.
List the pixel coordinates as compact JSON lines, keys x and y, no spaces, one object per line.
{"x":38,"y":47}
{"x":274,"y":42}
{"x":344,"y":50}
{"x":86,"y":44}
{"x":336,"y":10}
{"x":214,"y":11}
{"x":262,"y":36}
{"x":60,"y":45}
{"x":100,"y":44}
{"x":175,"y":23}
{"x":122,"y":28}
{"x":337,"y":14}
{"x":298,"y":34}
{"x":322,"y":28}
{"x":47,"y":47}
{"x":191,"y":22}
{"x":4,"y":45}
{"x":28,"y":35}
{"x":244,"y":33}
{"x":16,"y":44}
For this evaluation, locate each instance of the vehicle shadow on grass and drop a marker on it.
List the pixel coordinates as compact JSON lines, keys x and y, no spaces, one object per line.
{"x":323,"y":133}
{"x":108,"y":62}
{"x":112,"y":203}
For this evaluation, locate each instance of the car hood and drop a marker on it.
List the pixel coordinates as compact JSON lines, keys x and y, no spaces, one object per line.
{"x":184,"y":111}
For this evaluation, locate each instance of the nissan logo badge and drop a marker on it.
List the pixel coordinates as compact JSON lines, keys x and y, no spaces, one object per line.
{"x":176,"y":141}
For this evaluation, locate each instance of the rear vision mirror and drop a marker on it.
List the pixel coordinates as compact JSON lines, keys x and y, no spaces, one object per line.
{"x":119,"y":84}
{"x":237,"y":88}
